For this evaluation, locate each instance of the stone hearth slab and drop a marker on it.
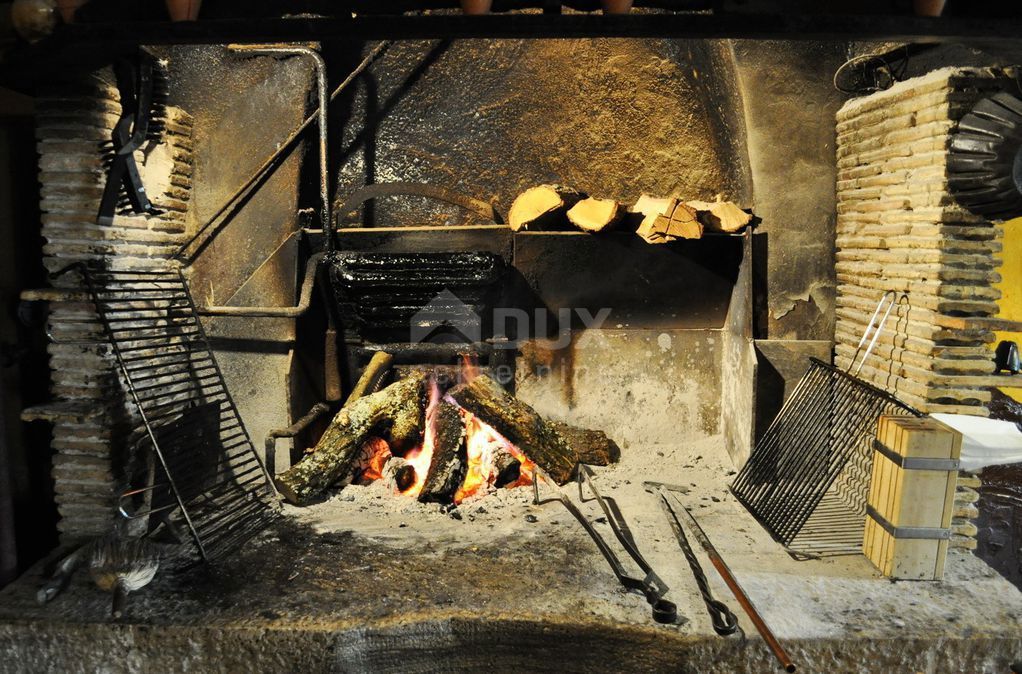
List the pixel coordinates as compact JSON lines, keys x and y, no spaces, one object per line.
{"x":350,"y":587}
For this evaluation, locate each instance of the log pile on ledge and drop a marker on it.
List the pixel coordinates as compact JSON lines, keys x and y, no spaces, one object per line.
{"x":656,"y":220}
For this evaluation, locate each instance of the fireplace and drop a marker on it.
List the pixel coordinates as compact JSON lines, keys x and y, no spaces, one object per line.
{"x":376,"y":385}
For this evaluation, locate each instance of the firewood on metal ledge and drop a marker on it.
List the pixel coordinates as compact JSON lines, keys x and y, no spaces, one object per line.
{"x":447,"y":469}
{"x":719,"y":215}
{"x":519,"y":423}
{"x":542,"y":207}
{"x":666,"y":220}
{"x":394,"y":413}
{"x":595,"y":215}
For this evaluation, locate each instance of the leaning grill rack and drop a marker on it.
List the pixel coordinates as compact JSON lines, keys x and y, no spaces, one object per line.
{"x":807,"y":480}
{"x":207,"y":467}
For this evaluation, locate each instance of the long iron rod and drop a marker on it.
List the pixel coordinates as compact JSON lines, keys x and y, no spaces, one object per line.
{"x":732,"y":583}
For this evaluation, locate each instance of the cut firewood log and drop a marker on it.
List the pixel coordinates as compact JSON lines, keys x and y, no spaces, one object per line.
{"x":506,"y":468}
{"x":398,"y":474}
{"x":395,"y":414}
{"x":447,"y":469}
{"x":682,"y":223}
{"x":591,"y":447}
{"x":653,"y":206}
{"x":595,"y":215}
{"x":542,"y":207}
{"x":666,"y":220}
{"x":372,"y":375}
{"x":519,"y":423}
{"x":720,"y":216}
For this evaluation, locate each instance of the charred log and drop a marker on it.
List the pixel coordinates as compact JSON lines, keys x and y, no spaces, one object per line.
{"x":519,"y":423}
{"x":506,"y":468}
{"x":395,"y":414}
{"x":447,"y":470}
{"x":591,"y":447}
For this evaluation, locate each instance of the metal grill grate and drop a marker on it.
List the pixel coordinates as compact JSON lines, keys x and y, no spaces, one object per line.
{"x":384,"y":296}
{"x":208,"y":466}
{"x":808,"y":477}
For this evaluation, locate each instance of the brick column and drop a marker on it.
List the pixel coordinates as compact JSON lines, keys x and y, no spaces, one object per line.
{"x":899,"y":229}
{"x":93,"y":428}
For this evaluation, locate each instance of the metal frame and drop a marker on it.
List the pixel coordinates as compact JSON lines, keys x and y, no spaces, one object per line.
{"x":223,"y":506}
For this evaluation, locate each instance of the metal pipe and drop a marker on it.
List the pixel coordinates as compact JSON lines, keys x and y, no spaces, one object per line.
{"x":317,"y":410}
{"x":285,"y":146}
{"x":304,"y":301}
{"x":321,"y":96}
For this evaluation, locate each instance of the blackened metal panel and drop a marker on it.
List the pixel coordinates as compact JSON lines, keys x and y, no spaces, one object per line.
{"x":684,"y":284}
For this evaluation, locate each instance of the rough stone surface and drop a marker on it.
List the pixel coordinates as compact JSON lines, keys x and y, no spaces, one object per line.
{"x":613,"y":118}
{"x":789,"y":103}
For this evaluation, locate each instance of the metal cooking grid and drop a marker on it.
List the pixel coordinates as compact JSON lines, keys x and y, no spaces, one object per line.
{"x":807,"y":480}
{"x":207,"y":462}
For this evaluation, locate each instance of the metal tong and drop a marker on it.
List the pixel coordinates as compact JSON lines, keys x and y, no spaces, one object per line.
{"x":718,"y":562}
{"x":654,"y":589}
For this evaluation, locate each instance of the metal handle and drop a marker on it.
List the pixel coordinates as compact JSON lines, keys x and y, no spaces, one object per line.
{"x":874,"y":328}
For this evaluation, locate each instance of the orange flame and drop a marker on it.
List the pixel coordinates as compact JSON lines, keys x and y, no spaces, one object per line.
{"x":421,"y":457}
{"x":469,"y":368}
{"x":481,"y":441}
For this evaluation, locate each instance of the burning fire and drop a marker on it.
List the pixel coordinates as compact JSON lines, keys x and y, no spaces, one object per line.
{"x":421,"y":457}
{"x":484,"y":446}
{"x":377,"y":452}
{"x":481,"y":444}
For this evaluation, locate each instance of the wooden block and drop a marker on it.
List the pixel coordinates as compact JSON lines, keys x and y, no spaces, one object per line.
{"x":906,"y":495}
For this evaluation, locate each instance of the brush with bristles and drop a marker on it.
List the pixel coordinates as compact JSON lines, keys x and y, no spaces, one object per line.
{"x":116,"y":565}
{"x":123,"y":566}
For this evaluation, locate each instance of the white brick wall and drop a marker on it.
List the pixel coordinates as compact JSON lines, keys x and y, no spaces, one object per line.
{"x":93,"y":428}
{"x":899,"y":229}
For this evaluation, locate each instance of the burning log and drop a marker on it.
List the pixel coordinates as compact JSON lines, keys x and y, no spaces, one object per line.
{"x":399,"y":474}
{"x":591,"y":447}
{"x":506,"y":468}
{"x":519,"y":423}
{"x":447,"y":469}
{"x":595,"y":215}
{"x":395,"y":413}
{"x":541,"y":207}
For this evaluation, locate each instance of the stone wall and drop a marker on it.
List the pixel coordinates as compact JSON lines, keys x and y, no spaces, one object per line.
{"x":92,"y":425}
{"x":899,"y":229}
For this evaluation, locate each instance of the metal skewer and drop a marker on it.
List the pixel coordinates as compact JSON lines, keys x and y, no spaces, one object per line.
{"x":722,"y":568}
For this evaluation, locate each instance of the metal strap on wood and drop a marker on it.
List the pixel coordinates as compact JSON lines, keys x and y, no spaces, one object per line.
{"x":915,"y":462}
{"x":924,"y":533}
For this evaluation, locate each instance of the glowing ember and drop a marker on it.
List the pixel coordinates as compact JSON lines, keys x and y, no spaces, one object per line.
{"x":481,"y":441}
{"x":374,"y":454}
{"x":421,"y":457}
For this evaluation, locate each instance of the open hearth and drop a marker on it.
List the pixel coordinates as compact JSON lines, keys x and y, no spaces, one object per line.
{"x":571,"y":354}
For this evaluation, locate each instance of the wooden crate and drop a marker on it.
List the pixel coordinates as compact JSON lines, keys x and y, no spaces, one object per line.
{"x":911,"y":497}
